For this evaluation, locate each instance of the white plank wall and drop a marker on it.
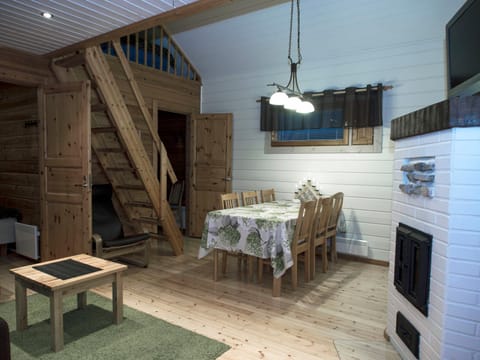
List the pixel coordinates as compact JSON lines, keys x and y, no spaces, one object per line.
{"x":344,"y":43}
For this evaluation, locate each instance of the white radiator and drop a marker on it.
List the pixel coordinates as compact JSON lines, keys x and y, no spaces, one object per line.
{"x":26,"y":238}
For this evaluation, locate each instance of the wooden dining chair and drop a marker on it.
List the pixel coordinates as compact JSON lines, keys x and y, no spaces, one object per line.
{"x":337,"y":204}
{"x":319,"y":233}
{"x":267,"y":195}
{"x":300,"y":243}
{"x":249,"y":198}
{"x":230,"y":200}
{"x":227,"y":201}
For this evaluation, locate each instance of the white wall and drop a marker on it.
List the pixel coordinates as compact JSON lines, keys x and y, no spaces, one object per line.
{"x":344,"y":43}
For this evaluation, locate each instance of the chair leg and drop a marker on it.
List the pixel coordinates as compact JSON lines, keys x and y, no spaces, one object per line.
{"x":312,"y":261}
{"x":295,"y":273}
{"x":260,"y":270}
{"x":215,"y":264}
{"x":224,"y":262}
{"x":307,"y":265}
{"x":333,"y":248}
{"x":250,"y":261}
{"x":324,"y":258}
{"x":239,"y":262}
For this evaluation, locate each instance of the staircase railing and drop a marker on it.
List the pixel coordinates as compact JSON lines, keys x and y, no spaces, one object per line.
{"x":154,"y":48}
{"x":165,"y":164}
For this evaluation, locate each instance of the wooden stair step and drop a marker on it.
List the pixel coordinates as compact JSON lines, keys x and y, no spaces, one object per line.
{"x":111,"y":150}
{"x":120,"y":169}
{"x":130,"y":187}
{"x":147,"y":220}
{"x":99,"y":107}
{"x":139,"y":204}
{"x":98,"y":130}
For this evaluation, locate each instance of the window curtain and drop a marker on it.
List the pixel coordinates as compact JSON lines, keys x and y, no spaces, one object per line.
{"x":351,"y":107}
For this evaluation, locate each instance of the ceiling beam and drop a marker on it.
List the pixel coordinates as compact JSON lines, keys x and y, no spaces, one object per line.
{"x":187,"y":17}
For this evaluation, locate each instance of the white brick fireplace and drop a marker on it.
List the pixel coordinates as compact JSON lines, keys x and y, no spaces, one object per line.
{"x":452,"y":216}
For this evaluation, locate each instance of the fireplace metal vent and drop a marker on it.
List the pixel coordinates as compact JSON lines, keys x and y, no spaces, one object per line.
{"x":412,"y":265}
{"x":408,"y":333}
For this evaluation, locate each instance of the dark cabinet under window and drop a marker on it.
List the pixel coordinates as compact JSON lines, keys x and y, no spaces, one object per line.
{"x":412,"y":265}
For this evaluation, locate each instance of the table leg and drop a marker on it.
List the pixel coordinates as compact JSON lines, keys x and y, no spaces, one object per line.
{"x":117,"y":298}
{"x":277,"y":286}
{"x":21,"y":305}
{"x":56,"y":320}
{"x":82,"y":300}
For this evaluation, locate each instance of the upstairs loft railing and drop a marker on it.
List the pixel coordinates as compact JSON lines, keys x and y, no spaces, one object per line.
{"x":156,"y":49}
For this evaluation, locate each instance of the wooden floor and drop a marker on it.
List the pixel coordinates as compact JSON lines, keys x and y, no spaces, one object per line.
{"x":339,"y":315}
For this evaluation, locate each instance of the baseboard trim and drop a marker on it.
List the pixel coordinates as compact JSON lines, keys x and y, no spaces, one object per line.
{"x":363,"y":259}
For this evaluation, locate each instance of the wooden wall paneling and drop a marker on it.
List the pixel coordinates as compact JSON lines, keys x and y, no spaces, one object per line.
{"x":19,"y":147}
{"x":21,"y":68}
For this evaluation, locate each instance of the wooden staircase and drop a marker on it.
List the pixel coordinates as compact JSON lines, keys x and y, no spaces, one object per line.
{"x":118,"y":146}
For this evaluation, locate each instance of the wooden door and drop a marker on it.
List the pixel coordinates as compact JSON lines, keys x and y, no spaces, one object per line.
{"x":210,"y":166}
{"x":65,"y":170}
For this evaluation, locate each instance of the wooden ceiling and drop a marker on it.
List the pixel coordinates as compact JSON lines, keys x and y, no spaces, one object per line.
{"x":77,"y":23}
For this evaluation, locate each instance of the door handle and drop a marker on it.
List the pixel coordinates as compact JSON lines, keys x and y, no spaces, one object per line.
{"x":227,"y":179}
{"x":86,"y":183}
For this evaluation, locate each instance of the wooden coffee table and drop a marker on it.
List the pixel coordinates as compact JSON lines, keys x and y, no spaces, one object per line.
{"x":56,"y":288}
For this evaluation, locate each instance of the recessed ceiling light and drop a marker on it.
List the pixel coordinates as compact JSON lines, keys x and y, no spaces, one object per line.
{"x":47,"y":15}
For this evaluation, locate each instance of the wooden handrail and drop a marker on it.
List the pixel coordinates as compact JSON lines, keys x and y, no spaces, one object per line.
{"x":165,"y":164}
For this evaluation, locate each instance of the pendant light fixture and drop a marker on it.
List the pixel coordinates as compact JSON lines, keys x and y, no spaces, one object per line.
{"x":290,"y":95}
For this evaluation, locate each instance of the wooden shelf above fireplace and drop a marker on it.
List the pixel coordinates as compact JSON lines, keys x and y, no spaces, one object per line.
{"x":454,"y":112}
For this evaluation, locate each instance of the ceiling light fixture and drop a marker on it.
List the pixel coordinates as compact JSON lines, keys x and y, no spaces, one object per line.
{"x":290,"y":95}
{"x":47,"y":15}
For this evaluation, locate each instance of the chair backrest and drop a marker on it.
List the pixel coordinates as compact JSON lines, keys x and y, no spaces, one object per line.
{"x":105,"y":220}
{"x":303,"y":226}
{"x":249,"y":198}
{"x":322,"y":217}
{"x":230,"y":200}
{"x":267,"y":195}
{"x":176,"y":194}
{"x":337,"y":203}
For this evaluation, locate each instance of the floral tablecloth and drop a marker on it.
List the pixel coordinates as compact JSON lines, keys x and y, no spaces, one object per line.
{"x":262,"y":230}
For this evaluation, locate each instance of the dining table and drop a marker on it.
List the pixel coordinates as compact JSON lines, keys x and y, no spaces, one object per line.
{"x":262,"y":230}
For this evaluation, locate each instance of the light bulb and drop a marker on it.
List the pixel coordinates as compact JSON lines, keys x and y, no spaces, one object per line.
{"x":305,"y":107}
{"x":292,"y":103}
{"x":278,"y":98}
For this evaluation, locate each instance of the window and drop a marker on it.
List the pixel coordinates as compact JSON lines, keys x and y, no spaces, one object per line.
{"x":310,"y":137}
{"x":349,"y":118}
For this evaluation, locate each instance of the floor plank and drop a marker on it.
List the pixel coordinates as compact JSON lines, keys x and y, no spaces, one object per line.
{"x":339,"y":315}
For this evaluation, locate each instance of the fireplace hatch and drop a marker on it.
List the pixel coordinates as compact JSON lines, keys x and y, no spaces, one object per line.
{"x":413,"y":249}
{"x":408,"y":333}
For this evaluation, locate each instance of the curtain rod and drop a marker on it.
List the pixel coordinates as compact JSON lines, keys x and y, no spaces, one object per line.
{"x":335,"y":92}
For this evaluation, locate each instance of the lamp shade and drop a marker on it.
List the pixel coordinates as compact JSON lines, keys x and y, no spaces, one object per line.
{"x":278,"y":98}
{"x":305,"y":107}
{"x":292,"y":103}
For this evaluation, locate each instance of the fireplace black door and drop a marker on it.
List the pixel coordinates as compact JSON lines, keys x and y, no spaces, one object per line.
{"x":412,"y":265}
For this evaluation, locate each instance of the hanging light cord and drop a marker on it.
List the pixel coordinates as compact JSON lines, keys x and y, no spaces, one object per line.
{"x":299,"y":54}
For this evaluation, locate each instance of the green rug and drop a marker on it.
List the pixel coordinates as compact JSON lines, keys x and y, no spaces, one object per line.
{"x":90,"y":334}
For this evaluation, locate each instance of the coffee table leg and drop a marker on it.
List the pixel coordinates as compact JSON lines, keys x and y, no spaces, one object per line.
{"x":81,"y":300}
{"x":21,"y":305}
{"x":117,"y":298}
{"x":56,"y":320}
